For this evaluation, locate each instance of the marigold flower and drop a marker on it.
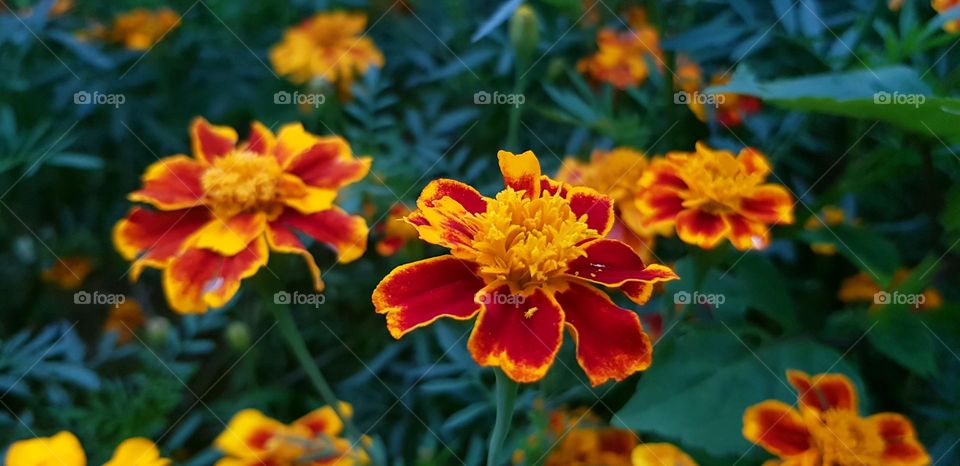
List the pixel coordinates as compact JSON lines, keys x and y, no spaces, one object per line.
{"x":68,"y":273}
{"x":525,"y":263}
{"x":63,"y":449}
{"x":328,"y":46}
{"x":942,"y":6}
{"x":216,"y":215}
{"x":593,"y":446}
{"x":828,"y":430}
{"x":710,"y":194}
{"x":396,"y":231}
{"x":616,"y":173}
{"x":863,"y":288}
{"x":253,"y":439}
{"x":730,"y":109}
{"x":660,"y":454}
{"x":621,"y":57}
{"x":141,"y":29}
{"x":125,"y":318}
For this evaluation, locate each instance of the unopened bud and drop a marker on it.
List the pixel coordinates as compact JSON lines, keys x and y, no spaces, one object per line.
{"x":524,"y":32}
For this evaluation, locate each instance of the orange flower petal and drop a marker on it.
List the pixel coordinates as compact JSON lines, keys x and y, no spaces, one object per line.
{"x":521,"y":172}
{"x":416,"y":294}
{"x":150,"y":238}
{"x":343,"y":233}
{"x":171,"y":183}
{"x":209,"y":142}
{"x":613,"y":264}
{"x":595,"y":206}
{"x":754,"y":161}
{"x":306,"y":199}
{"x":776,"y":427}
{"x":660,"y":206}
{"x":232,"y":235}
{"x":324,"y":421}
{"x":261,"y":139}
{"x":553,"y":187}
{"x":199,"y":279}
{"x":770,"y":203}
{"x":901,"y":447}
{"x":610,"y":340}
{"x":464,"y":194}
{"x":521,"y":336}
{"x":824,"y":391}
{"x":700,"y":228}
{"x":746,"y":234}
{"x":324,"y":165}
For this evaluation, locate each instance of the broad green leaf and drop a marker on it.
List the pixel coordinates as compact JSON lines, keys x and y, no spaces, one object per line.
{"x":902,"y":337}
{"x":865,"y":249}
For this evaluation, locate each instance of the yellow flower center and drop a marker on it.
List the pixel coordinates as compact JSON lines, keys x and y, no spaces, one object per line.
{"x":616,"y":174}
{"x":716,"y":181}
{"x":525,"y":243}
{"x":846,"y":439}
{"x":242,"y":181}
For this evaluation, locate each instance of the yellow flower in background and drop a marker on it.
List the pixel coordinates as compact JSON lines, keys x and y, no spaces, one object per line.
{"x":863,"y":288}
{"x":830,"y":216}
{"x":593,"y":446}
{"x":942,"y":6}
{"x":141,"y":29}
{"x":125,"y":319}
{"x":329,"y":47}
{"x":622,"y":56}
{"x":63,"y":449}
{"x":395,"y":231}
{"x":660,"y":454}
{"x":68,"y":273}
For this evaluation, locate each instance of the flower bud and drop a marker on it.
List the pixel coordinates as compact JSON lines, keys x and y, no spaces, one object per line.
{"x":524,"y":32}
{"x":157,"y":331}
{"x":237,"y":335}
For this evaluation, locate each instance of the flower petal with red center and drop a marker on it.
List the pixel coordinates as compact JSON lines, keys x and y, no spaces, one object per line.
{"x":416,"y":294}
{"x":232,"y":235}
{"x":306,"y":199}
{"x":659,"y":207}
{"x":199,"y":279}
{"x":464,"y":194}
{"x":613,"y":264}
{"x":150,"y":238}
{"x":292,"y":139}
{"x":345,"y":234}
{"x":553,"y":187}
{"x":700,"y":228}
{"x":611,"y":343}
{"x":521,"y":172}
{"x":597,"y":208}
{"x":824,"y":391}
{"x":521,"y":336}
{"x":901,"y":447}
{"x":769,"y":203}
{"x":754,"y":161}
{"x":261,"y":139}
{"x":210,"y":142}
{"x":172,"y":183}
{"x":776,"y":427}
{"x":324,"y":421}
{"x":745,"y":233}
{"x":325,"y":165}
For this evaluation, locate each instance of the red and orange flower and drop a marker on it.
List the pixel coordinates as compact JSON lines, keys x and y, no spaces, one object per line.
{"x":942,"y":6}
{"x":217,"y":214}
{"x":710,"y":194}
{"x":828,"y":430}
{"x":863,"y":288}
{"x":64,"y":449}
{"x":622,"y":56}
{"x":525,"y":263}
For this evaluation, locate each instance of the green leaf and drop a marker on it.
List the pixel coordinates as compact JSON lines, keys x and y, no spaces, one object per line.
{"x":866,"y":249}
{"x":902,"y":337}
{"x":768,"y":291}
{"x":700,"y":384}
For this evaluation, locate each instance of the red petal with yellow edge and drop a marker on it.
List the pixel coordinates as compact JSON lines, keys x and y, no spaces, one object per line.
{"x":700,"y":228}
{"x":416,"y":294}
{"x":660,"y":206}
{"x":520,"y":335}
{"x":171,"y":183}
{"x":745,"y":233}
{"x":464,"y":194}
{"x":552,"y":186}
{"x":776,"y":427}
{"x":613,"y":263}
{"x":597,"y":207}
{"x":824,"y":391}
{"x":611,"y":343}
{"x":261,"y":139}
{"x":769,"y":203}
{"x":521,"y":172}
{"x":901,"y":447}
{"x":323,"y":165}
{"x":292,"y":139}
{"x":151,"y":238}
{"x":210,"y":142}
{"x":324,"y":421}
{"x":306,"y":199}
{"x":345,"y":234}
{"x":232,"y":235}
{"x":754,"y":161}
{"x":199,"y":279}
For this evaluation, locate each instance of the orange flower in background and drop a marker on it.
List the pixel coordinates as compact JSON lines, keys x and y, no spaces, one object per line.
{"x":216,"y":215}
{"x":942,"y":6}
{"x":688,"y":76}
{"x":593,"y":446}
{"x":253,"y":439}
{"x":125,"y":319}
{"x":525,"y":264}
{"x":863,"y":288}
{"x":829,"y":216}
{"x":329,"y":47}
{"x":68,"y":273}
{"x":616,"y":173}
{"x":710,"y":194}
{"x":621,"y":57}
{"x":141,"y":29}
{"x":660,"y":454}
{"x":729,"y":109}
{"x":395,"y":230}
{"x":827,"y":430}
{"x":63,"y":449}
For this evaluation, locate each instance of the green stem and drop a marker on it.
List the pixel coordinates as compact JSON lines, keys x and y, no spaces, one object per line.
{"x":299,"y":347}
{"x":513,"y":129}
{"x":506,"y":396}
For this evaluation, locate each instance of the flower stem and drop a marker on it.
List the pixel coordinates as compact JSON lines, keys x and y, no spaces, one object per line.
{"x":299,"y":348}
{"x":506,"y":396}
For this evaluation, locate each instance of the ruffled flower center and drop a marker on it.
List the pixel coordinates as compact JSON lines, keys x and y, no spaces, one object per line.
{"x":717,"y":182}
{"x":526,"y":243}
{"x":242,"y":181}
{"x":845,"y":439}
